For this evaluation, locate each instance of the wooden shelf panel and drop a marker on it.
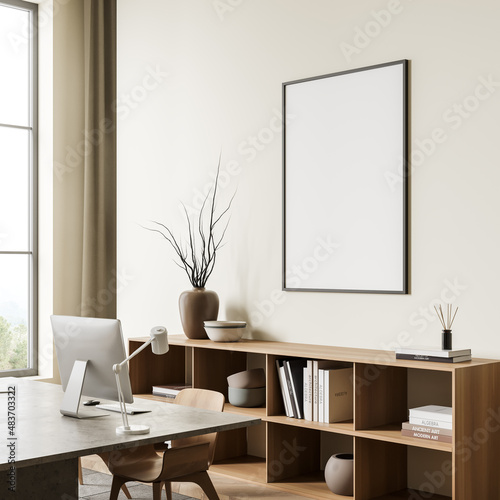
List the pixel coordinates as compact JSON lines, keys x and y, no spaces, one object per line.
{"x":251,"y":412}
{"x":309,"y":351}
{"x":247,"y":467}
{"x":410,"y":494}
{"x":340,"y":428}
{"x":313,"y":486}
{"x":310,"y":485}
{"x":392,"y":434}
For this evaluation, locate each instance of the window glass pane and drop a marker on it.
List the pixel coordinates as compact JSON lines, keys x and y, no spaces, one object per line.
{"x":14,"y":61}
{"x":14,"y":189}
{"x":14,"y":311}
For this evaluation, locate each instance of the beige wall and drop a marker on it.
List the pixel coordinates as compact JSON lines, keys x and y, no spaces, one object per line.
{"x":197,"y":77}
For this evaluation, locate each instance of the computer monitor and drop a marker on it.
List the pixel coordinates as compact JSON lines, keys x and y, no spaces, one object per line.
{"x":87,"y":349}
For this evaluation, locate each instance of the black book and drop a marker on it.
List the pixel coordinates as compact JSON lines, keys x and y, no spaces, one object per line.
{"x":295,"y":370}
{"x":435,"y":359}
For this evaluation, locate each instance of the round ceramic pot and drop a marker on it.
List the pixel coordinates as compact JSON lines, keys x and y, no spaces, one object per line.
{"x":248,"y":379}
{"x":339,"y":474}
{"x":247,"y":398}
{"x":196,"y":306}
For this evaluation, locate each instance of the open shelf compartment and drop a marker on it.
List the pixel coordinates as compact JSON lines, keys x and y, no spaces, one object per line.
{"x":385,"y":470}
{"x":148,"y":369}
{"x":297,"y":458}
{"x":241,"y":453}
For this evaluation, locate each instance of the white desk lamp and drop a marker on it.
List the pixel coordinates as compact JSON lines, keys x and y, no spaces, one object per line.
{"x":159,"y":345}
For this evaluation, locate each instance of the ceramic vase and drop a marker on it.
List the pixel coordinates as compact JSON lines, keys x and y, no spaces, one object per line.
{"x":339,"y":475}
{"x":196,"y":306}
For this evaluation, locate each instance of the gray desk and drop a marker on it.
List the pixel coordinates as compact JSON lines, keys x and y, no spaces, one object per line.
{"x":48,"y":445}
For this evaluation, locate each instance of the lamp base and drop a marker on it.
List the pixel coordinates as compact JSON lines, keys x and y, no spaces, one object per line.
{"x":133,"y":429}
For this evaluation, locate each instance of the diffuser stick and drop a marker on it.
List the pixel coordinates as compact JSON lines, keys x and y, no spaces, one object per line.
{"x":440,"y":318}
{"x":453,"y":319}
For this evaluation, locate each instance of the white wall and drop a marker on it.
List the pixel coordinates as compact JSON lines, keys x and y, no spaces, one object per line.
{"x":197,"y":77}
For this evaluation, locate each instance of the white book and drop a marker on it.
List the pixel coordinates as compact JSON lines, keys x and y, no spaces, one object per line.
{"x":167,"y":390}
{"x":293,"y":395}
{"x":321,"y":394}
{"x":436,"y":412}
{"x":429,"y":351}
{"x":288,"y":400}
{"x":284,"y":388}
{"x":430,"y":422}
{"x":326,"y":391}
{"x":162,"y":394}
{"x":324,"y":365}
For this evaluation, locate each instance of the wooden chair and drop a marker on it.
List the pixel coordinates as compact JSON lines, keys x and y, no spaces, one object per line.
{"x":187,"y":460}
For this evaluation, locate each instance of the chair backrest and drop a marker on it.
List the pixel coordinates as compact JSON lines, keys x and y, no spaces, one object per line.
{"x":207,"y":400}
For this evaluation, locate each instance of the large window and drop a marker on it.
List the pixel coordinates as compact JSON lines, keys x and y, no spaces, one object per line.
{"x":18,"y":188}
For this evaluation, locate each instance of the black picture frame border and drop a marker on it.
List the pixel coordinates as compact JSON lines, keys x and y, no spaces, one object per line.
{"x":405,"y":179}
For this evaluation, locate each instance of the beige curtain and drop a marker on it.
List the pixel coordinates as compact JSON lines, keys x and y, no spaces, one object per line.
{"x":99,"y":197}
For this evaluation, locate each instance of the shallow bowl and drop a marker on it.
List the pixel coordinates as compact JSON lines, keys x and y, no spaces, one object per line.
{"x":225,"y":331}
{"x":247,"y":398}
{"x":248,"y":379}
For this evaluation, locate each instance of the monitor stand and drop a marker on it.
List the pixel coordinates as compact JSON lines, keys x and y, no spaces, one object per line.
{"x":70,"y":406}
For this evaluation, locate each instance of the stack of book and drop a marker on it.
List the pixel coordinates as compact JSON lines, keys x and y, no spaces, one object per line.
{"x":291,"y":377}
{"x":169,"y":391}
{"x":430,"y":422}
{"x":436,"y":355}
{"x":319,"y":391}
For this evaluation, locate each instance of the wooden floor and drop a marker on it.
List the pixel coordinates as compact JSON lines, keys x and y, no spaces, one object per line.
{"x":227,"y":487}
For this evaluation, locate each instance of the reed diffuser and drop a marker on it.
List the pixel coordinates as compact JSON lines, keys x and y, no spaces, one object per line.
{"x":447,"y":322}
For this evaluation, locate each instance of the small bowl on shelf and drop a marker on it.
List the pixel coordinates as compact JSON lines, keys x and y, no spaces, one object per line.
{"x":225,"y":331}
{"x":247,"y":398}
{"x":248,"y":379}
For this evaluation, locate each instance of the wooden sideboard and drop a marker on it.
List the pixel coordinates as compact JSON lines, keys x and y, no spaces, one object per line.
{"x":387,"y":465}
